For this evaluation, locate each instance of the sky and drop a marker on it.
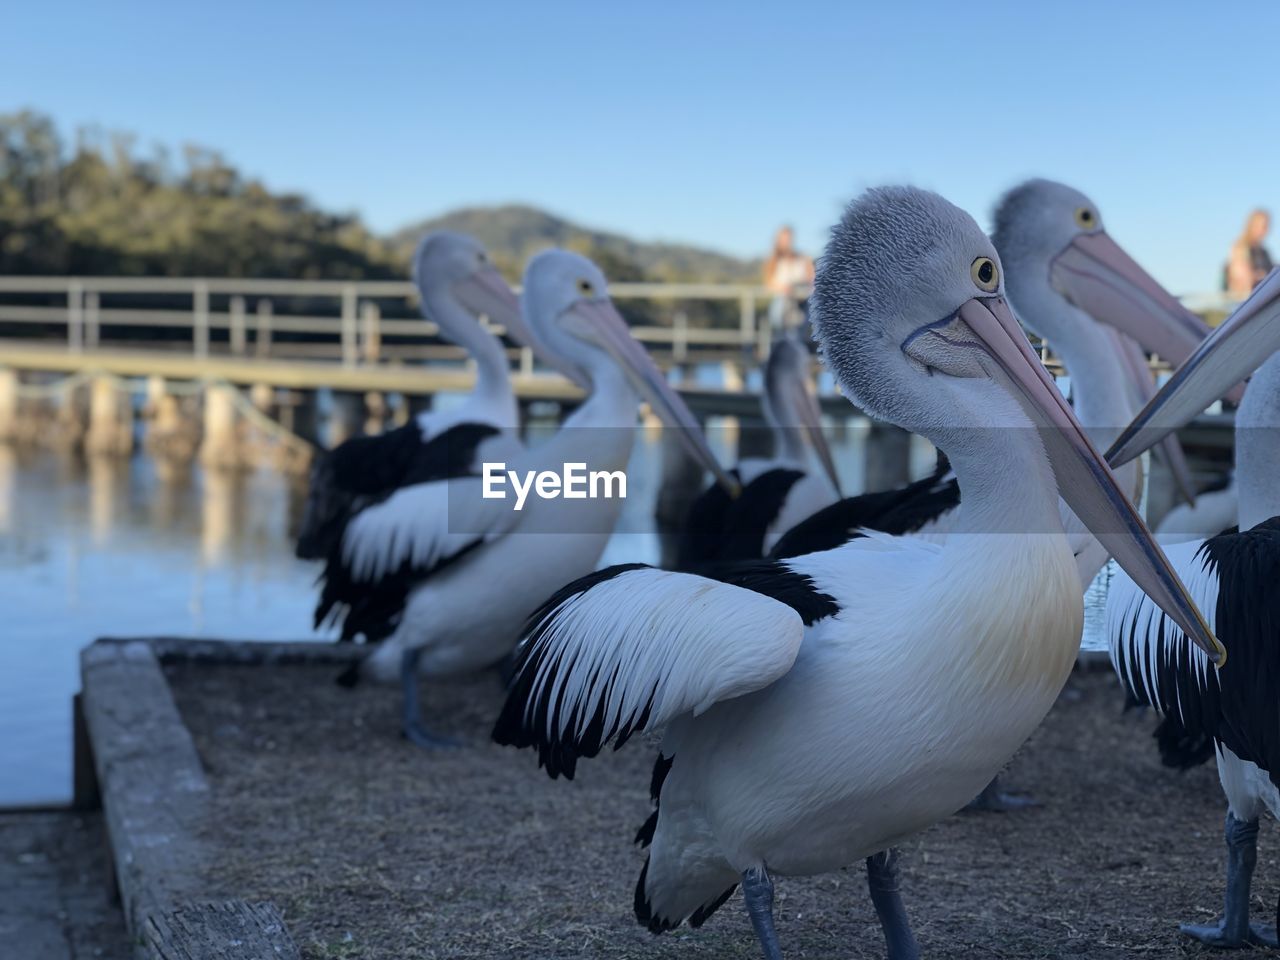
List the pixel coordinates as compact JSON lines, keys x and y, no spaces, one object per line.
{"x":701,"y":122}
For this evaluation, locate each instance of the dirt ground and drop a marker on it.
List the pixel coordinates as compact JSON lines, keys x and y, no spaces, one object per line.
{"x":376,"y":850}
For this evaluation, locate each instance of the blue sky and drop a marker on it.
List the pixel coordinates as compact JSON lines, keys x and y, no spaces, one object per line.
{"x":701,"y":122}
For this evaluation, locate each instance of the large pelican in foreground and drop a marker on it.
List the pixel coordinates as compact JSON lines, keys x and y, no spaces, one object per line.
{"x":779,"y":491}
{"x":820,"y":710}
{"x":1074,"y":286}
{"x":446,"y":575}
{"x":456,"y":283}
{"x":1235,"y":577}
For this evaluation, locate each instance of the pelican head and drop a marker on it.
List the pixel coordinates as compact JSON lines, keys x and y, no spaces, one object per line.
{"x":456,"y":266}
{"x":567,"y":302}
{"x":910,"y":311}
{"x":1040,"y":229}
{"x":790,"y":402}
{"x":1053,"y":242}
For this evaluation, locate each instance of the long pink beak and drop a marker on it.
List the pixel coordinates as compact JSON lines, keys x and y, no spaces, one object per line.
{"x":1094,"y":273}
{"x":1084,"y":479}
{"x":1238,"y":347}
{"x":1144,"y":388}
{"x":485,"y":292}
{"x":611,"y":332}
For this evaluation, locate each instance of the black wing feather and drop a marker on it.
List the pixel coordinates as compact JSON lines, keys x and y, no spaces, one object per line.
{"x":720,"y":527}
{"x":1238,"y":707}
{"x":897,"y":512}
{"x":366,"y":470}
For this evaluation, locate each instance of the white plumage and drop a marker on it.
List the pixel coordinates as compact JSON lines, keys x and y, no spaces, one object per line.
{"x":444,"y":576}
{"x":820,"y":709}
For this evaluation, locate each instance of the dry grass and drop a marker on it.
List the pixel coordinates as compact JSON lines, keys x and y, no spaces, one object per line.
{"x":377,"y":851}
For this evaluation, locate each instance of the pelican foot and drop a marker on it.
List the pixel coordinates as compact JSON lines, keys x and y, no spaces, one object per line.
{"x":420,"y":736}
{"x":757,"y":894}
{"x":1216,"y":935}
{"x":1234,"y":930}
{"x":994,"y":800}
{"x":411,"y":726}
{"x":886,"y":897}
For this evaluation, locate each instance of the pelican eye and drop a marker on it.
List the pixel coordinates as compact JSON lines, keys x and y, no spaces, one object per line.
{"x":985,"y":274}
{"x":585,"y":288}
{"x":1086,"y":218}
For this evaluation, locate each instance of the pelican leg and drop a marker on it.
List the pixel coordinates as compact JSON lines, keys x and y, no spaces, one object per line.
{"x":412,"y":727}
{"x":882,"y":879}
{"x":995,"y":800}
{"x":1234,"y":928}
{"x":757,"y":891}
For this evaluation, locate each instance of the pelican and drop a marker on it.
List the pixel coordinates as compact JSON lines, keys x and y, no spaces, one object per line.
{"x":446,"y":574}
{"x":777,"y":493}
{"x":1071,"y":284}
{"x":456,"y":283}
{"x":1233,"y":577}
{"x":1057,"y":254}
{"x":821,"y":709}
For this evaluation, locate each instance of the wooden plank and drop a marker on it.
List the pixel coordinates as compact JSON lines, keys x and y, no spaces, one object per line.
{"x":282,"y":652}
{"x":233,"y":930}
{"x":154,"y":797}
{"x":153,"y":786}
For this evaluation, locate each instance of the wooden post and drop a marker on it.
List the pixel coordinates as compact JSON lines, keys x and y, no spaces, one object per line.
{"x":347,"y":416}
{"x":221,"y":445}
{"x":299,"y":414}
{"x":888,"y":456}
{"x":680,"y":337}
{"x":263,"y":397}
{"x":747,"y":318}
{"x":263,"y":344}
{"x":350,"y":350}
{"x":371,"y":324}
{"x":8,"y":404}
{"x":526,"y":361}
{"x":375,"y":403}
{"x":200,"y":319}
{"x":75,"y":316}
{"x":92,"y":325}
{"x":110,"y":419}
{"x":237,"y":322}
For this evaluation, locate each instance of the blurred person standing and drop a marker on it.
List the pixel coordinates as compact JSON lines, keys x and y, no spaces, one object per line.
{"x":1250,"y":261}
{"x":788,"y":275}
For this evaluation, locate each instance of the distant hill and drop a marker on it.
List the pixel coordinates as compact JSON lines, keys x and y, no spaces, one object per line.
{"x":513,"y":233}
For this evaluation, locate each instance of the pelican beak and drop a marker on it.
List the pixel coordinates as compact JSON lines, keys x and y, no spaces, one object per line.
{"x":1084,"y":479}
{"x":1232,"y":352}
{"x":486,"y":293}
{"x":1095,"y":274}
{"x":1144,"y":388}
{"x":804,"y":402}
{"x":600,"y":322}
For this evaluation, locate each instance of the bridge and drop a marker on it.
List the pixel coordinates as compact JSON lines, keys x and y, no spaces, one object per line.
{"x":286,"y":339}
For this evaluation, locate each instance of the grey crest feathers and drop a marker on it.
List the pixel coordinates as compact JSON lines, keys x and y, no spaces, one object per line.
{"x":1035,"y":217}
{"x":438,"y":245}
{"x":898,"y":253}
{"x":1013,"y":214}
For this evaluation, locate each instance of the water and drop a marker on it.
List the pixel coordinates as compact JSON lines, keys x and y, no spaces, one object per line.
{"x":142,"y":548}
